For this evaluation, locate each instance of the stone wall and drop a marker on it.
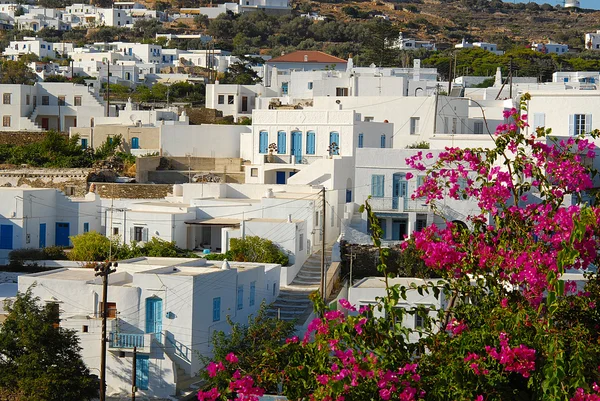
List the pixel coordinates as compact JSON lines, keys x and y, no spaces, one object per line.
{"x":133,"y":191}
{"x":202,"y":115}
{"x":143,"y":165}
{"x":73,"y":182}
{"x":22,"y":138}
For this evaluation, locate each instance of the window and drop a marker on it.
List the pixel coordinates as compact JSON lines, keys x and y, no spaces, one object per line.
{"x":84,"y":329}
{"x":6,"y":236}
{"x":369,"y":119}
{"x":281,"y":139}
{"x":421,"y":222}
{"x":341,"y":91}
{"x":230,"y":99}
{"x":418,"y":321}
{"x":77,"y":101}
{"x":478,"y":127}
{"x":221,"y":99}
{"x":284,"y":88}
{"x":539,"y":120}
{"x":61,"y":101}
{"x":45,"y":100}
{"x":216,"y":309}
{"x":54,"y":311}
{"x":301,"y":243}
{"x":252,"y":293}
{"x":135,"y":142}
{"x":240,"y":297}
{"x":138,"y":234}
{"x":86,"y":227}
{"x":263,"y":142}
{"x":446,"y":125}
{"x":414,"y":125}
{"x":580,"y":124}
{"x":334,"y":143}
{"x":27,"y":99}
{"x":383,"y":141}
{"x":35,"y":100}
{"x":377,"y":186}
{"x":111,"y":310}
{"x":361,"y":140}
{"x":6,"y":121}
{"x":115,"y":230}
{"x":6,"y":98}
{"x":254,"y":172}
{"x":310,"y":85}
{"x":84,"y":143}
{"x":310,"y":143}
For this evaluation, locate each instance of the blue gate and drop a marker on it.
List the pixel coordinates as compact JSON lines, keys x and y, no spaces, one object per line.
{"x":62,"y":234}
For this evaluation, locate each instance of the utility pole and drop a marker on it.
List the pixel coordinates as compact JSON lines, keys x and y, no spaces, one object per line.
{"x":510,"y":75}
{"x":133,"y":374}
{"x":103,"y":270}
{"x":352,"y":257}
{"x":450,"y":76}
{"x":108,"y":88}
{"x":435,"y":117}
{"x":323,"y":268}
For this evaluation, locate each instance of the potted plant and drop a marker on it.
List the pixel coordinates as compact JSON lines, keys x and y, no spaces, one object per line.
{"x":333,"y":149}
{"x":272,"y":149}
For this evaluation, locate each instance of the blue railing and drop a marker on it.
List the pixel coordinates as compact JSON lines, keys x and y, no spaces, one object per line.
{"x":125,"y":340}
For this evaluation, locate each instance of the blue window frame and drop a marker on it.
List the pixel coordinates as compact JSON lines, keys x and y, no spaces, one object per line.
{"x":84,"y":143}
{"x":86,"y":227}
{"x":142,"y":371}
{"x":240,"y":297}
{"x":135,"y":142}
{"x":361,"y":140}
{"x":281,"y":142}
{"x":252,"y":293}
{"x":377,"y":182}
{"x":6,"y":236}
{"x":216,"y":309}
{"x":383,"y":141}
{"x":263,"y":142}
{"x":284,"y":88}
{"x":310,"y":143}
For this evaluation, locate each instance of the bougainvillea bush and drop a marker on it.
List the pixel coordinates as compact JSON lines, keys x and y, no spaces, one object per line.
{"x":514,"y":328}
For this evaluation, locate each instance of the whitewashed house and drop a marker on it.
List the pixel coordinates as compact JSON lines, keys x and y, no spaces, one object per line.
{"x":592,"y":40}
{"x":36,"y":218}
{"x":549,"y":47}
{"x":167,"y":308}
{"x":29,"y":45}
{"x":490,"y":47}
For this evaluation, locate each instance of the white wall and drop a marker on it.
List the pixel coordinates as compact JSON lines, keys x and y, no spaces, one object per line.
{"x":206,"y":140}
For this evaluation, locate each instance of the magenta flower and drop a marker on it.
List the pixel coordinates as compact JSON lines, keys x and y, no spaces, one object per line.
{"x":210,"y":395}
{"x":347,"y":305}
{"x":214,"y":368}
{"x":231,"y":358}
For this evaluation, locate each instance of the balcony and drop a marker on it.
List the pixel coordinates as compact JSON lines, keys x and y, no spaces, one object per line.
{"x":118,"y":341}
{"x":290,"y":159}
{"x":398,"y":204}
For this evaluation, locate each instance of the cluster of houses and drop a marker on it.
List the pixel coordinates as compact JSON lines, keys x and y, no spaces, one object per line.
{"x":324,"y":137}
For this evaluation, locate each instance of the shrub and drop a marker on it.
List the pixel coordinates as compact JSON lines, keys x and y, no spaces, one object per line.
{"x":258,"y":250}
{"x":90,"y":247}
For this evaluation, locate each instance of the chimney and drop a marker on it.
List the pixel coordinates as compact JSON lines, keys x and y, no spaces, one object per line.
{"x":289,"y":219}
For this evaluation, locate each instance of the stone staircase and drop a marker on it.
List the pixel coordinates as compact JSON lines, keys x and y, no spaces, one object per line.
{"x":293,"y":303}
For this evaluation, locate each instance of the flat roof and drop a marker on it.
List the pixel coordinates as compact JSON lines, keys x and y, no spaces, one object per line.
{"x":379,"y":282}
{"x":67,"y":273}
{"x":215,"y":221}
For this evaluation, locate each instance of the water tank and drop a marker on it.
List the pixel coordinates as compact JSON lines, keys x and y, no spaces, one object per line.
{"x":572,"y":3}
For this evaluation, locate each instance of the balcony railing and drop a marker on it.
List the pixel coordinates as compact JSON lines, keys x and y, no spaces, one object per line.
{"x":291,"y":159}
{"x":398,"y":204}
{"x":121,"y":341}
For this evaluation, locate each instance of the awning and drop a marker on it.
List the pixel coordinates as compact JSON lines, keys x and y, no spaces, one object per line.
{"x":215,"y":222}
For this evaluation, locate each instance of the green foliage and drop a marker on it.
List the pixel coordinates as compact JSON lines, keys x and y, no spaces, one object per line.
{"x":16,"y":72}
{"x":256,"y":345}
{"x":39,"y":361}
{"x":256,"y":249}
{"x":419,"y":145}
{"x":56,"y":78}
{"x":486,"y":83}
{"x":90,"y":247}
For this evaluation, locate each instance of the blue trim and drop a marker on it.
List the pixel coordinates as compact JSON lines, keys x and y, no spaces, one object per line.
{"x":86,"y":227}
{"x":240,"y":297}
{"x":216,"y":309}
{"x":142,"y":372}
{"x":154,"y":317}
{"x":62,"y":234}
{"x":281,"y":142}
{"x":263,"y":142}
{"x":6,"y":236}
{"x":42,"y":241}
{"x":310,"y":143}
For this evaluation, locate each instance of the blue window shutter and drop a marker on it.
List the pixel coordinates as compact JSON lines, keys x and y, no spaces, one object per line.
{"x":252,"y":292}
{"x":310,"y":143}
{"x":135,"y":143}
{"x":281,"y":139}
{"x":240,"y":297}
{"x":216,"y":309}
{"x":361,"y":139}
{"x":377,"y":186}
{"x":263,"y":144}
{"x":383,"y":141}
{"x":142,"y":372}
{"x":6,"y":236}
{"x":334,"y":137}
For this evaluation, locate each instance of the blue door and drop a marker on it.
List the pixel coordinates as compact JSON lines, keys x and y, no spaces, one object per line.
{"x":297,"y":146}
{"x":334,"y":143}
{"x":42,"y":235}
{"x":399,"y":189}
{"x":135,"y":143}
{"x":62,"y":234}
{"x":154,"y":317}
{"x":6,"y":236}
{"x":84,"y":143}
{"x":280,"y":178}
{"x":348,"y":195}
{"x":142,"y":370}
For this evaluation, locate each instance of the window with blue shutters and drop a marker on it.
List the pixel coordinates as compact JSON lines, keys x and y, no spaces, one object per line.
{"x":86,"y":227}
{"x":377,"y":186}
{"x":334,"y":143}
{"x":240,"y":297}
{"x":135,"y":142}
{"x":263,"y":142}
{"x":216,"y":309}
{"x":361,"y":140}
{"x":383,"y":141}
{"x":6,"y":236}
{"x":310,"y":143}
{"x":281,"y":139}
{"x":252,"y":293}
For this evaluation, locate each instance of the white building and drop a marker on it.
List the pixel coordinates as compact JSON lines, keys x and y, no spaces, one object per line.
{"x":268,"y":6}
{"x":592,"y":41}
{"x":403,"y":43}
{"x":211,"y":12}
{"x":549,"y":47}
{"x":36,"y":218}
{"x":490,"y":47}
{"x":167,"y":308}
{"x":577,"y":77}
{"x":29,"y":45}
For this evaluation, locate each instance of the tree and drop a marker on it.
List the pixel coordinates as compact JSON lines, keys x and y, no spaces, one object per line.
{"x":38,"y":359}
{"x":241,"y":73}
{"x":510,"y":327}
{"x":256,"y":249}
{"x":90,"y":247}
{"x":16,"y":72}
{"x":378,"y":46}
